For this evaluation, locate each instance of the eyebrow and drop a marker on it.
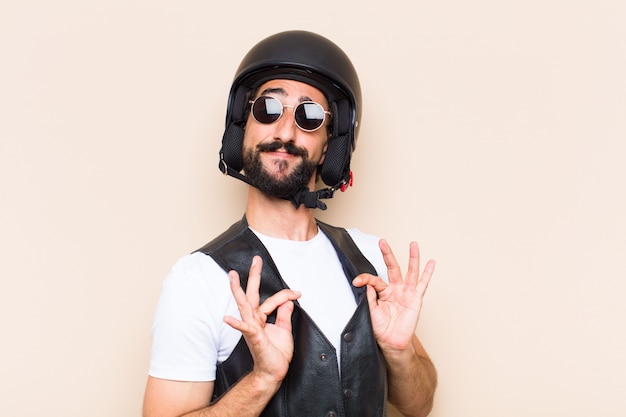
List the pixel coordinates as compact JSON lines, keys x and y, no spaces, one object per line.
{"x":282,"y":92}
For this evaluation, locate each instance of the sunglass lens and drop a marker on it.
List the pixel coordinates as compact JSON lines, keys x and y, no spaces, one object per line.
{"x":309,"y":116}
{"x":267,"y":109}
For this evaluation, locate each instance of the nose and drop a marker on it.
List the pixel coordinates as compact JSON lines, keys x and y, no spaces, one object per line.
{"x":286,"y":125}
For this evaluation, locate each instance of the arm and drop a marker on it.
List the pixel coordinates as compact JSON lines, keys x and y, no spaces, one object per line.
{"x":395,"y":309}
{"x":166,"y":398}
{"x":412,"y":380}
{"x":271,"y":346}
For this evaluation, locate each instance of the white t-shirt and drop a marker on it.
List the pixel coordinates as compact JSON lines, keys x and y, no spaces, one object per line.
{"x":189,"y":336}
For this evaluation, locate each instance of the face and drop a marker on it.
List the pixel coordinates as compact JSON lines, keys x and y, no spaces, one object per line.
{"x":280,"y":158}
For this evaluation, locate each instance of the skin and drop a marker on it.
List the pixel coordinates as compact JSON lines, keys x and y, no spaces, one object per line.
{"x":394,"y":307}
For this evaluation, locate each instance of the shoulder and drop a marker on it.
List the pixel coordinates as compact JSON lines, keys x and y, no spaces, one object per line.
{"x":193,"y":269}
{"x":363,"y":239}
{"x":368,"y":245}
{"x":192,"y":282}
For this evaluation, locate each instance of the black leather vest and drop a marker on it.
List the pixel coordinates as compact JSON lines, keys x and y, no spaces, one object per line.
{"x":313,"y":386}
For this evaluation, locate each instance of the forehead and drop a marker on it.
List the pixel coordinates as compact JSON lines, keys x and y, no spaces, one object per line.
{"x":292,"y":89}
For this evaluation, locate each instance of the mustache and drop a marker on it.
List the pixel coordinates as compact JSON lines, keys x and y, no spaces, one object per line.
{"x":289,"y":147}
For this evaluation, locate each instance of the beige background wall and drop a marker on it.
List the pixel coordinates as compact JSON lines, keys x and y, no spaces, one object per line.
{"x":493,"y":132}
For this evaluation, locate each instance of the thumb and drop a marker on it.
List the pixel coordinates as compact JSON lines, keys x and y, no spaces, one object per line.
{"x":283,"y":315}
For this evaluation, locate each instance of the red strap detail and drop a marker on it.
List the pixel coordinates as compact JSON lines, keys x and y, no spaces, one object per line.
{"x":345,"y":186}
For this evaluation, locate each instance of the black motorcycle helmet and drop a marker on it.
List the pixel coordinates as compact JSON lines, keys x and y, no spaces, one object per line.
{"x":310,"y":58}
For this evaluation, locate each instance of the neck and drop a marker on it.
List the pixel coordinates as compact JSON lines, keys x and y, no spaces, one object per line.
{"x":279,"y":218}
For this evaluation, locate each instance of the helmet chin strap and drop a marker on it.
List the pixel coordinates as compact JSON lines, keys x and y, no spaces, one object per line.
{"x":310,"y":199}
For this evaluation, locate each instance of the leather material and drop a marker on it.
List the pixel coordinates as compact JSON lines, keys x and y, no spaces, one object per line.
{"x":313,"y":386}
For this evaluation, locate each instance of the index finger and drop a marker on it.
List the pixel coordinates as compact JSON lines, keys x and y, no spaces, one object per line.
{"x":372,"y":280}
{"x":278,"y":299}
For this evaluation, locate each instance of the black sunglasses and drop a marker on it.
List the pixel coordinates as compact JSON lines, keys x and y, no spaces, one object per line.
{"x":309,"y":115}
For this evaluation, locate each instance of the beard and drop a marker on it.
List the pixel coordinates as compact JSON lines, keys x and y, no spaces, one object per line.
{"x":281,"y":185}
